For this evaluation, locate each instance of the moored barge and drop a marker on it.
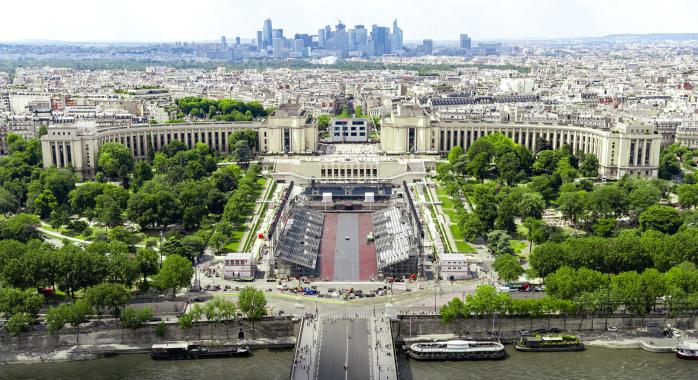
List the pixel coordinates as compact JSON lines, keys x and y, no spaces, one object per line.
{"x":194,"y":350}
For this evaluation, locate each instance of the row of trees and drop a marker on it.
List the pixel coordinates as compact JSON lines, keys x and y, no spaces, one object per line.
{"x":631,"y":250}
{"x":37,"y":265}
{"x":497,"y":156}
{"x":636,"y":292}
{"x":224,"y":109}
{"x":487,"y":301}
{"x":251,"y":303}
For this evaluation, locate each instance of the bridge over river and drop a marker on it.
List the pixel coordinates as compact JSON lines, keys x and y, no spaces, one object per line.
{"x":345,"y":348}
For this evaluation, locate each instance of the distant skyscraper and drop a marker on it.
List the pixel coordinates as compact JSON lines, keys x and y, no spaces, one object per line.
{"x":381,"y":40}
{"x":237,"y":41}
{"x":279,"y":47}
{"x":360,"y":37}
{"x":396,"y":38}
{"x":223,"y":42}
{"x":268,"y":39}
{"x":341,"y":38}
{"x":428,"y":47}
{"x":321,"y":38}
{"x":277,"y":33}
{"x":260,"y":40}
{"x":464,"y":42}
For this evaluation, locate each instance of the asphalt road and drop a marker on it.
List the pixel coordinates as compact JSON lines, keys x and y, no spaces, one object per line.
{"x":346,"y":262}
{"x":344,"y":342}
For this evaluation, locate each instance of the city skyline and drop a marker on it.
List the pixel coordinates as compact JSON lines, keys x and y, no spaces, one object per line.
{"x":443,"y":20}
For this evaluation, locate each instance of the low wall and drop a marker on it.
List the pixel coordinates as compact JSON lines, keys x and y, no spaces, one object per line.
{"x":409,"y":326}
{"x":40,"y":339}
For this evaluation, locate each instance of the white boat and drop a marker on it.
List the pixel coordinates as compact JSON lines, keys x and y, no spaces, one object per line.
{"x":687,"y":350}
{"x":457,"y":350}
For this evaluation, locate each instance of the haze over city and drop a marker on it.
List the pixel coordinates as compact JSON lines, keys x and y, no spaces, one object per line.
{"x":159,"y":20}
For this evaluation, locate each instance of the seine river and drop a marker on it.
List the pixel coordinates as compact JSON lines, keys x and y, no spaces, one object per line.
{"x":594,"y":363}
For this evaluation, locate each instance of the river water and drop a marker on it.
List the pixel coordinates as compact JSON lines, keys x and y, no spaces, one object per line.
{"x":593,"y":363}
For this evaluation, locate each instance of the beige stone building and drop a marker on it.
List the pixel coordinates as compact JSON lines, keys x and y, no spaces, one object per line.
{"x":623,"y":148}
{"x":76,"y":144}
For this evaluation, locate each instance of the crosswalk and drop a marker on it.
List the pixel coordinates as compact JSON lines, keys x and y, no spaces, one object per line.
{"x":346,"y":316}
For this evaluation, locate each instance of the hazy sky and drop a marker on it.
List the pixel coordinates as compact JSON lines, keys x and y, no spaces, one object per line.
{"x":187,"y":20}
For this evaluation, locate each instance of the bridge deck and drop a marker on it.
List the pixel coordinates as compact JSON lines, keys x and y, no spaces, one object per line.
{"x":345,"y":348}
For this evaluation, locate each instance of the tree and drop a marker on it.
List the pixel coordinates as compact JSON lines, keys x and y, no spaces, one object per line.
{"x":226,"y":311}
{"x":542,"y":144}
{"x":546,"y":258}
{"x":77,"y":314}
{"x":241,"y":151}
{"x":110,"y":205}
{"x":452,"y":310}
{"x":122,"y":234}
{"x":604,"y":227}
{"x":57,"y":317}
{"x":21,"y":227}
{"x":134,"y":319}
{"x":15,"y":301}
{"x":18,"y":324}
{"x":627,"y":288}
{"x":669,"y":166}
{"x":688,"y":195}
{"x":661,"y":218}
{"x":142,"y":172}
{"x":83,"y":197}
{"x":654,"y":286}
{"x":479,"y":165}
{"x":148,"y":264}
{"x":186,"y":322}
{"x":606,"y":201}
{"x":508,"y":167}
{"x":107,"y":296}
{"x":534,"y":231}
{"x":498,"y":243}
{"x":470,"y":225}
{"x":530,"y":204}
{"x":323,"y":121}
{"x":642,"y":197}
{"x":455,"y":154}
{"x":115,"y":161}
{"x":217,"y":242}
{"x":45,"y":203}
{"x":589,"y":167}
{"x":8,"y":203}
{"x":485,"y":301}
{"x":252,"y":303}
{"x":508,"y":267}
{"x":176,"y":272}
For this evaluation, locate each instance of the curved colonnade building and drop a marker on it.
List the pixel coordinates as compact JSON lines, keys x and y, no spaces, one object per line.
{"x":77,"y":144}
{"x":622,"y":148}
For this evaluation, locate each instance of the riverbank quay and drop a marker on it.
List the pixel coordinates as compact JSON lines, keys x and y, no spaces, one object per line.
{"x":611,"y":332}
{"x":94,"y":341}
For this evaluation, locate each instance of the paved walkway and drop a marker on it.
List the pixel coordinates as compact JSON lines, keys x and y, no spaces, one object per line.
{"x":384,"y":365}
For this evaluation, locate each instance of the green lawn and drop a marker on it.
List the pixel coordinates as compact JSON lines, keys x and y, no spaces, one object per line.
{"x":235,"y":239}
{"x":461,"y":245}
{"x":446,"y":201}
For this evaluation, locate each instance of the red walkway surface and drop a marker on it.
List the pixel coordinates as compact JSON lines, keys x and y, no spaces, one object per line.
{"x":367,"y":251}
{"x":327,"y":246}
